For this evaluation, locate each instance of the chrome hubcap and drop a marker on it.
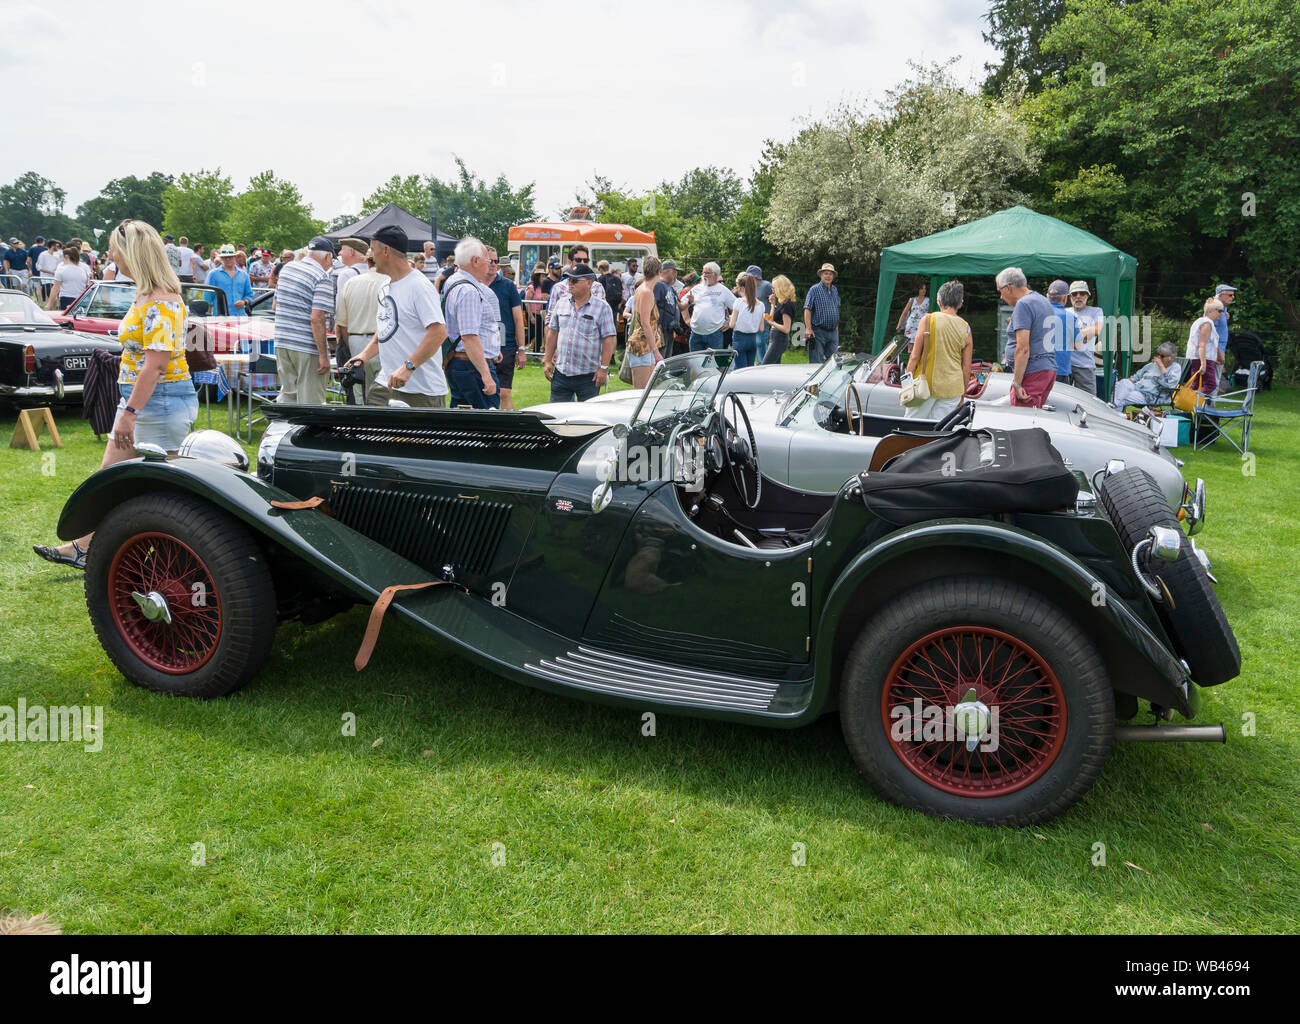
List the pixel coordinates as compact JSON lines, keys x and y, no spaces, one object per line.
{"x":153,"y":606}
{"x":970,"y":719}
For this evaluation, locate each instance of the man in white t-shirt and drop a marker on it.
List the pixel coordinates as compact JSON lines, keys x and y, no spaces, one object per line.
{"x":186,"y":255}
{"x":711,"y":302}
{"x":173,"y":253}
{"x":200,"y":265}
{"x":409,"y":329}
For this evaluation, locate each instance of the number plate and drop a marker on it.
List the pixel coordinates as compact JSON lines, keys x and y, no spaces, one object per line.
{"x":74,"y":362}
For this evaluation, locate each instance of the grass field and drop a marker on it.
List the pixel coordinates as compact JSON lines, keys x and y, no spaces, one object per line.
{"x":467,"y":803}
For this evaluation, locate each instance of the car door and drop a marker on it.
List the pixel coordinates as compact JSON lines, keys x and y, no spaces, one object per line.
{"x":100,"y":309}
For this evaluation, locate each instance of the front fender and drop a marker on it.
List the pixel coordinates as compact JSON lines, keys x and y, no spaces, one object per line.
{"x":357,"y":563}
{"x":1138,"y":661}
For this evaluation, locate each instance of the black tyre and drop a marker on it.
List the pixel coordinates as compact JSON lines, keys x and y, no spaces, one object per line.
{"x":203,"y":615}
{"x":1022,"y":656}
{"x":1196,"y":622}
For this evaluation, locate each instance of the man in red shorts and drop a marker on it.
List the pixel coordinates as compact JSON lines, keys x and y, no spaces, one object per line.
{"x":1033,"y":323}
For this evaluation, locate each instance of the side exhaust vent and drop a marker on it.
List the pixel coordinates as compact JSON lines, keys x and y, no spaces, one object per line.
{"x":429,"y":530}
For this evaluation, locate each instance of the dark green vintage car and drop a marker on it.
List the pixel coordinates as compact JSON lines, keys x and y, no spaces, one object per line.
{"x":978,"y":621}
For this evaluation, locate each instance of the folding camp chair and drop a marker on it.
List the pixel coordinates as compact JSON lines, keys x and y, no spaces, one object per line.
{"x":1223,"y":414}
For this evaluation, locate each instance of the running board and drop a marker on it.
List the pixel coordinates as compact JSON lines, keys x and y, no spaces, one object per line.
{"x":587,"y":668}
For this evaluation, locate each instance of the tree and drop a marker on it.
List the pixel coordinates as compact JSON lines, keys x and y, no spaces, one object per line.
{"x":410,"y":193}
{"x":936,"y":156}
{"x":648,"y":212}
{"x":1016,"y":29}
{"x":136,"y":198}
{"x":33,"y":205}
{"x":197,"y":205}
{"x":1173,"y":134}
{"x":271,"y":212}
{"x":706,"y":194}
{"x":470,"y":206}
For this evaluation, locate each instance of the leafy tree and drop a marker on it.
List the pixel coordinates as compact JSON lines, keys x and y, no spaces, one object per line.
{"x":648,"y":212}
{"x":706,"y":194}
{"x":271,"y":212}
{"x":469,"y":205}
{"x":33,"y":205}
{"x":196,"y":205}
{"x":936,"y":156}
{"x":1016,"y":29}
{"x":1183,"y":149}
{"x":410,"y":193}
{"x":136,"y":198}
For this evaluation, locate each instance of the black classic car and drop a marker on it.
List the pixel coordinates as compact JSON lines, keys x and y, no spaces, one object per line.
{"x":978,"y":617}
{"x":41,"y":364}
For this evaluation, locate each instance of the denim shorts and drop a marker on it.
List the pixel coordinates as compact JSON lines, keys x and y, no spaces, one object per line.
{"x":168,"y":415}
{"x":646,"y":360}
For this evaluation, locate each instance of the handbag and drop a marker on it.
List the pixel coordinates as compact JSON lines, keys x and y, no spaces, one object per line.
{"x":625,"y":368}
{"x":199,"y":347}
{"x":917,"y":390}
{"x":1188,"y":397}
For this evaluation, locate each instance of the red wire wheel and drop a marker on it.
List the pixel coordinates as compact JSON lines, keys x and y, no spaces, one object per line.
{"x":160,"y":564}
{"x":1006,"y":674}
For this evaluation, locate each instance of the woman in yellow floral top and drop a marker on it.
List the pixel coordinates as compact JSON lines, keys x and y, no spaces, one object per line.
{"x":158,"y":403}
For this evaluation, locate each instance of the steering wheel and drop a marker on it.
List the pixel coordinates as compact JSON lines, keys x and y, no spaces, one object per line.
{"x":962,"y":413}
{"x":854,"y":395}
{"x":741,"y":451}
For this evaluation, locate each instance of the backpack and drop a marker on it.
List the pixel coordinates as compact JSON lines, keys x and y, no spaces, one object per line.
{"x":613,"y":285}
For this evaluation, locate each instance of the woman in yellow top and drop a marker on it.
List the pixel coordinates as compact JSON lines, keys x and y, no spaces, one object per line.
{"x":949,"y":371}
{"x":158,"y":404}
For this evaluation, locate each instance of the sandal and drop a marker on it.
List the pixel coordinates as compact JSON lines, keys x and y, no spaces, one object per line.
{"x":77,"y":559}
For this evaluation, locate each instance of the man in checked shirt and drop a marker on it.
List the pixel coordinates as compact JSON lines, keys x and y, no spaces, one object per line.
{"x":579,"y":340}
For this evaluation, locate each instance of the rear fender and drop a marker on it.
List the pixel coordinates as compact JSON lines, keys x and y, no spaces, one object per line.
{"x":1137,"y":661}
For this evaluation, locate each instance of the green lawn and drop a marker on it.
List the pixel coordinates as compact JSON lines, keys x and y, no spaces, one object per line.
{"x":601,"y":829}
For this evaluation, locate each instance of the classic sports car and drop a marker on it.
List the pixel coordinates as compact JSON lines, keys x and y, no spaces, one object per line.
{"x":39,"y":363}
{"x":100,"y":309}
{"x":948,"y":605}
{"x":824,"y":425}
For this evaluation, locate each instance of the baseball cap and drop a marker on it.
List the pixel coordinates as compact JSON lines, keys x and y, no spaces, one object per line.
{"x":13,"y":241}
{"x":554,"y":260}
{"x":1080,"y":286}
{"x":39,"y":239}
{"x":668,"y":265}
{"x":754,"y":271}
{"x":1217,"y":288}
{"x":581,"y":270}
{"x":392,"y":236}
{"x":1058,"y":287}
{"x":321,"y":244}
{"x":168,"y":238}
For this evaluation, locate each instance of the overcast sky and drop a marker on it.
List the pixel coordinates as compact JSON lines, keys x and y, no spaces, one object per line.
{"x":340,"y":98}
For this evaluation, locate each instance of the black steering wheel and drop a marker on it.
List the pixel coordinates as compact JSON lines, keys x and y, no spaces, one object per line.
{"x":741,"y":451}
{"x":961,"y":414}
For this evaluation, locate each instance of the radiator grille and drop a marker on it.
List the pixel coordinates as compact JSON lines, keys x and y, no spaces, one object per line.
{"x":459,"y":438}
{"x":429,"y":530}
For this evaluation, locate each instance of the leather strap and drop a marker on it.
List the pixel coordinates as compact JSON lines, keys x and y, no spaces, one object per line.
{"x":377,"y":618}
{"x":291,"y":506}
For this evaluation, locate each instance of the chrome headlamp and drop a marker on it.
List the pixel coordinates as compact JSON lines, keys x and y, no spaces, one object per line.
{"x":214,"y":446}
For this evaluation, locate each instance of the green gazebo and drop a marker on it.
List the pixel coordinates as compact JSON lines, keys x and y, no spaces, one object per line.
{"x":1039,"y":245}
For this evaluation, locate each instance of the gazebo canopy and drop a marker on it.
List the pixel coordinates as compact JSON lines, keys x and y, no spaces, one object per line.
{"x":417,"y":230}
{"x":1039,"y":245}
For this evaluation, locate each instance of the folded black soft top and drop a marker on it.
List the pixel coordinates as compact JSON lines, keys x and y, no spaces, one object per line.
{"x":971,"y":473}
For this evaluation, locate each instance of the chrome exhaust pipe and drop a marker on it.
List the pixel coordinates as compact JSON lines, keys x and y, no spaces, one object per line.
{"x":1172,"y":733}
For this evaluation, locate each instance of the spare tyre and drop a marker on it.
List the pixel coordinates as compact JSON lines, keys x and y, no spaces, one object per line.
{"x":1196,"y":621}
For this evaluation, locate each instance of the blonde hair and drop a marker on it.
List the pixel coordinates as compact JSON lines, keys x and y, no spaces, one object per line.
{"x":603,"y":266}
{"x":141,"y":248}
{"x":782,"y":288}
{"x":1211,"y":305}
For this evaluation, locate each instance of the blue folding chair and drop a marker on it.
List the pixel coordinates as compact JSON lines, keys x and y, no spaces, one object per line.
{"x":1221,"y":416}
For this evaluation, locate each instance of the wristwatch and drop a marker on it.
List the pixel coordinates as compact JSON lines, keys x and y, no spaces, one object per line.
{"x":133,"y":412}
{"x":410,"y":365}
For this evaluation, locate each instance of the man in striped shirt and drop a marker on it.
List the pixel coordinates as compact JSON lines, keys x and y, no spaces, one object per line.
{"x":472,"y":312}
{"x":580,"y":340}
{"x":304,"y":298}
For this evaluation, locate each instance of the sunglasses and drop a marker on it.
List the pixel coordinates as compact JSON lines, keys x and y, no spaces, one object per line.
{"x":581,"y":259}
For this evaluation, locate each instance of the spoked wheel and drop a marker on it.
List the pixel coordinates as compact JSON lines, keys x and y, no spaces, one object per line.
{"x":976,"y":698}
{"x":164,"y":603}
{"x":180,"y":596}
{"x":741,"y":450}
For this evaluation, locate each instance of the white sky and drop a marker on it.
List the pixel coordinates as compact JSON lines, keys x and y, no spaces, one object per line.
{"x":551,"y":92}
